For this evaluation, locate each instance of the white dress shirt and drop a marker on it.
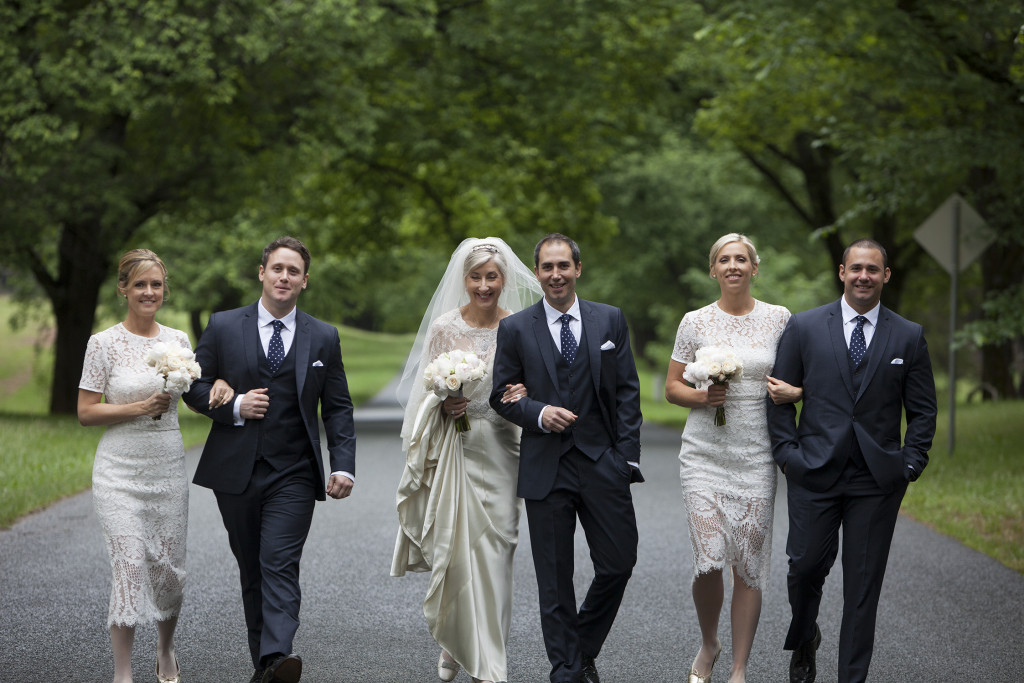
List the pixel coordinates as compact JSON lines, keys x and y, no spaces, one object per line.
{"x":849,"y":322}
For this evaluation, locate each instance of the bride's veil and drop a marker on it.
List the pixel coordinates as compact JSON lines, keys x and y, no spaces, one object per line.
{"x":520,"y":290}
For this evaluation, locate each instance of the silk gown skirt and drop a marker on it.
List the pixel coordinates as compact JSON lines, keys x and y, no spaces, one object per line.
{"x":459,"y":518}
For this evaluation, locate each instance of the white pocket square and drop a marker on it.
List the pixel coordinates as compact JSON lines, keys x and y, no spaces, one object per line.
{"x":317,"y":364}
{"x":608,"y":345}
{"x":896,"y":361}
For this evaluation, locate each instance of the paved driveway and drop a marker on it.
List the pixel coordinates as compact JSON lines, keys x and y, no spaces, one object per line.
{"x":947,"y":612}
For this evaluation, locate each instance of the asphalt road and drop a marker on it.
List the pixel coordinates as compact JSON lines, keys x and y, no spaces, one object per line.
{"x":947,"y":612}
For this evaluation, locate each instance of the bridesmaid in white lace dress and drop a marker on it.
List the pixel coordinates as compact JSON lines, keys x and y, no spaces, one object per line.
{"x":140,"y":489}
{"x":457,"y":504}
{"x":727,"y":472}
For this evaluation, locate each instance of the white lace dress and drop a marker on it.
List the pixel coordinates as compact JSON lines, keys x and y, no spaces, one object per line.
{"x":459,"y":514}
{"x":139,"y":484}
{"x":728,"y":475}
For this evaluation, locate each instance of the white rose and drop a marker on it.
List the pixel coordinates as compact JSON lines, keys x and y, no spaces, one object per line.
{"x":479,"y":372}
{"x":452,"y":382}
{"x":443,"y":366}
{"x":176,"y":379}
{"x":194,"y":370}
{"x":174,"y":362}
{"x":156,"y":353}
{"x":714,"y":369}
{"x":463,"y":372}
{"x":728,"y":366}
{"x":695,"y":372}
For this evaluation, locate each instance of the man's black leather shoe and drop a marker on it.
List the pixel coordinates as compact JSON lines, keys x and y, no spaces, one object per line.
{"x":589,"y":672}
{"x":802,"y":668}
{"x":284,"y":669}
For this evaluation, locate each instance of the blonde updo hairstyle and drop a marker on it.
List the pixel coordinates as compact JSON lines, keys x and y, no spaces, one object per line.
{"x":729,"y":239}
{"x":133,"y":263}
{"x":481,"y":254}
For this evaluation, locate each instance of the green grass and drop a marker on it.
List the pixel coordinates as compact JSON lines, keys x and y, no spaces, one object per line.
{"x":43,"y":459}
{"x":977,"y":494}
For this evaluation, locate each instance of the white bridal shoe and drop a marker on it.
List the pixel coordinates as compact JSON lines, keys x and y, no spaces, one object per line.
{"x":446,"y":671}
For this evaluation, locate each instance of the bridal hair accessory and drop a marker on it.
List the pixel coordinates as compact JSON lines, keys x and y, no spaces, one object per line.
{"x":489,"y":248}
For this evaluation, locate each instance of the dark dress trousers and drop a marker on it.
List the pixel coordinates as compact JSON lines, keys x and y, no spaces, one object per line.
{"x":845,"y":463}
{"x":582,"y":471}
{"x":267,"y":474}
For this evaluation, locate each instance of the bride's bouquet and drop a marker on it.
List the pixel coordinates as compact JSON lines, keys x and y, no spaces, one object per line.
{"x":715,"y":364}
{"x":177,"y":366}
{"x":446,"y":374}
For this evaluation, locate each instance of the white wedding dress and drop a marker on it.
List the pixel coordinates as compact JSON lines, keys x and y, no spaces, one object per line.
{"x":459,"y":514}
{"x":727,"y":473}
{"x":139,"y":484}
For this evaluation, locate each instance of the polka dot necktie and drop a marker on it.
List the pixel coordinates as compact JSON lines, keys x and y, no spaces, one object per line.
{"x":275,"y":350}
{"x":858,"y":347}
{"x":569,"y":345}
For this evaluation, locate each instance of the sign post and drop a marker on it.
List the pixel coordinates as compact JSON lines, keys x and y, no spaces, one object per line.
{"x":955,"y":235}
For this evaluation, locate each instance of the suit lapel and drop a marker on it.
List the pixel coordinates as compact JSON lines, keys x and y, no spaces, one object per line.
{"x":544,"y":341}
{"x":592,"y":334}
{"x":876,"y":350}
{"x":839,"y":347}
{"x":301,"y":343}
{"x":251,"y":344}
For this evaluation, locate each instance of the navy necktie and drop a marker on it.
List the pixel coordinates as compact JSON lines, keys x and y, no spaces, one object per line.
{"x":858,"y":347}
{"x":569,"y":344}
{"x":275,"y":350}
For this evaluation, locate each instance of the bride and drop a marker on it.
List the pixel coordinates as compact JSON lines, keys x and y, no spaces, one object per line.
{"x":457,"y":505}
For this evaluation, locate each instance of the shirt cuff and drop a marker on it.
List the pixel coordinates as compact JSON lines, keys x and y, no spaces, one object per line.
{"x":351,"y":477}
{"x":237,"y":411}
{"x":540,"y":421}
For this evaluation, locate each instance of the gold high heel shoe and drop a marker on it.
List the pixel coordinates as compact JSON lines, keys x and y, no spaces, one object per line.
{"x":697,"y":678}
{"x":164,"y":679}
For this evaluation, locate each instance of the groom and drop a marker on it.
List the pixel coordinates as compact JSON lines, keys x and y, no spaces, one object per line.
{"x":579,"y":451}
{"x":861,"y":366}
{"x":262,"y":458}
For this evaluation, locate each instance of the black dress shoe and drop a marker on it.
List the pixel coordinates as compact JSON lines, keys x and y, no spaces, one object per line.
{"x":802,"y":668}
{"x":284,"y":669}
{"x":589,"y":672}
{"x":257,"y":676}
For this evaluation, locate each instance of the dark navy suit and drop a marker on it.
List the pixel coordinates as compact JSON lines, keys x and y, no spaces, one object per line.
{"x":845,"y":463}
{"x":267,"y":474}
{"x":582,"y":471}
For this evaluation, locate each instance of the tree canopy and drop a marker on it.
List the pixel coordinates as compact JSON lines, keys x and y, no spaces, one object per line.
{"x":382,"y":132}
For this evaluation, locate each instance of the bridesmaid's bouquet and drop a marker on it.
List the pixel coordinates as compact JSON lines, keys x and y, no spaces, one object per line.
{"x":446,"y":374}
{"x":176,"y":365}
{"x":715,"y":364}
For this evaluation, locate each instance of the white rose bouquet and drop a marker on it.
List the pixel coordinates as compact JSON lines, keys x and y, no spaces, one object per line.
{"x":446,"y":374}
{"x":177,"y":366}
{"x":716,"y":365}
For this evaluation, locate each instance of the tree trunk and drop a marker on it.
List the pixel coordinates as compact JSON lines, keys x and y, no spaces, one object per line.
{"x":1000,"y":269}
{"x":83,"y":265}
